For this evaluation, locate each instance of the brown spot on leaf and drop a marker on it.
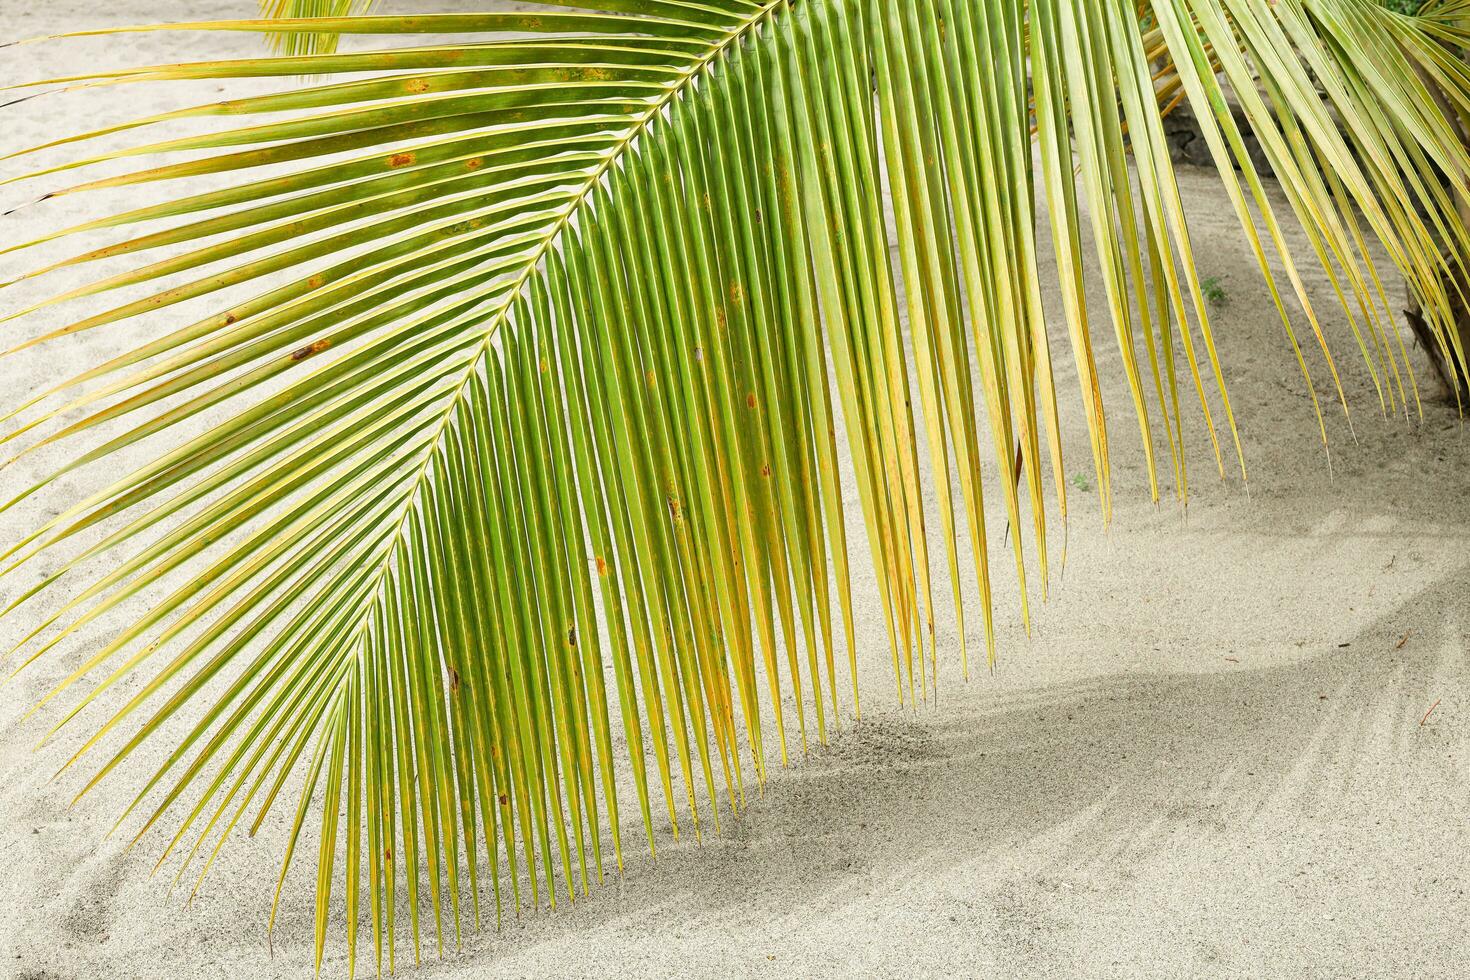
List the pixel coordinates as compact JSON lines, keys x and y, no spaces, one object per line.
{"x":417,"y":85}
{"x":317,"y":281}
{"x":601,"y":565}
{"x":750,"y":399}
{"x":388,"y":854}
{"x":315,"y":347}
{"x":504,"y":799}
{"x":572,"y":636}
{"x":766,"y":470}
{"x":737,"y":293}
{"x":230,"y":318}
{"x":544,"y":366}
{"x":675,"y":511}
{"x":648,"y":376}
{"x":474,"y":163}
{"x":401,"y":159}
{"x":453,"y":681}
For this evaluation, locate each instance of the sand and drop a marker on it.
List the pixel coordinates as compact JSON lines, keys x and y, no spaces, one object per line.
{"x":1210,"y":757}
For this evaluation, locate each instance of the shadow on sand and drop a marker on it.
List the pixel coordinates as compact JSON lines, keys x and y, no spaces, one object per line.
{"x":1102,"y":771}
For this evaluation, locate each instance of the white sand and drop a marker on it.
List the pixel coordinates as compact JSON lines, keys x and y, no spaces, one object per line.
{"x":1207,"y":760}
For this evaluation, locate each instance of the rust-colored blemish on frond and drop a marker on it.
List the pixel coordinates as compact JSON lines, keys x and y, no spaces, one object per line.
{"x":766,"y":470}
{"x":545,"y":366}
{"x":504,"y":799}
{"x":675,"y":511}
{"x":750,"y":399}
{"x":648,"y":376}
{"x":720,"y":316}
{"x":416,"y":86}
{"x":401,"y":160}
{"x":474,"y":163}
{"x":737,"y":293}
{"x":311,"y":350}
{"x":453,"y":681}
{"x":571,"y":636}
{"x":601,"y":566}
{"x":230,"y":318}
{"x":317,"y":281}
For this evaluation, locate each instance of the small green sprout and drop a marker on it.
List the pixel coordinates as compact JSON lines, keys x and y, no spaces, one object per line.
{"x":1213,"y":291}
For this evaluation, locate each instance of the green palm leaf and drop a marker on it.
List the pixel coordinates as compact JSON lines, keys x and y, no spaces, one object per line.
{"x":526,"y":440}
{"x":309,"y":42}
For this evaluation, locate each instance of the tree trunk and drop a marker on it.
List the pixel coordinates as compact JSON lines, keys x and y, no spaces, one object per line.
{"x":1450,"y":368}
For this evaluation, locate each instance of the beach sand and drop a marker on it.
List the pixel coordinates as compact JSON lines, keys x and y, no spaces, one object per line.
{"x":1211,"y":756}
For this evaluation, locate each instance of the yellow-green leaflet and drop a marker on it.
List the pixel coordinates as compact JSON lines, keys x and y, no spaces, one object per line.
{"x":509,"y":454}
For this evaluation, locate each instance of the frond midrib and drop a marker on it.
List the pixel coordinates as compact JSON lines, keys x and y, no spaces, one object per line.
{"x":614,"y":153}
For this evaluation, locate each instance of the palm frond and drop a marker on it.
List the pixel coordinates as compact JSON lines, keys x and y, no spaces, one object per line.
{"x":532,"y":418}
{"x":310,"y":42}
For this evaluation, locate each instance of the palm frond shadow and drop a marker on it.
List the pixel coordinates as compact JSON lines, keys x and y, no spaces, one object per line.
{"x":1085,"y":774}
